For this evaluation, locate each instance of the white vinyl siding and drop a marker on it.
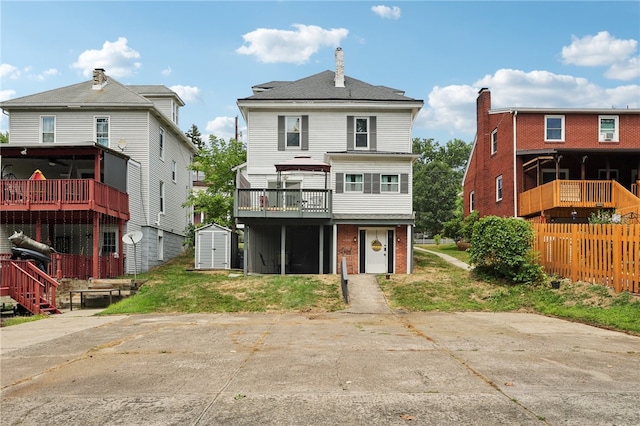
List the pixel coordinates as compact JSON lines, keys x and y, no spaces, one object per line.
{"x":327,"y":132}
{"x":373,"y":203}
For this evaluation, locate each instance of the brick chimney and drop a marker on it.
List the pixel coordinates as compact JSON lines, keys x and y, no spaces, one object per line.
{"x":339,"y":77}
{"x":99,"y":79}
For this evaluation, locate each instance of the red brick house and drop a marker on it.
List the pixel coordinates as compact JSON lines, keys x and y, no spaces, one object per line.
{"x":553,"y":164}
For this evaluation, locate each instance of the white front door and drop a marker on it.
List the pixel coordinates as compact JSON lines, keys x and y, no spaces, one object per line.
{"x":376,"y":251}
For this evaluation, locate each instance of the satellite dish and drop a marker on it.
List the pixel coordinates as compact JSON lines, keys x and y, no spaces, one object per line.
{"x":132,"y":237}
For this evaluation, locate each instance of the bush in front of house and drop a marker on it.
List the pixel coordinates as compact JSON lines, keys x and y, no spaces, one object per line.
{"x":502,"y":248}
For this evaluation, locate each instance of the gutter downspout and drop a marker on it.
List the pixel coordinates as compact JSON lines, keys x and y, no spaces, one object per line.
{"x":515,"y":182}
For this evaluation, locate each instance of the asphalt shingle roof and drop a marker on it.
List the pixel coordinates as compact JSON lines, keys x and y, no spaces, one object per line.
{"x":321,"y":86}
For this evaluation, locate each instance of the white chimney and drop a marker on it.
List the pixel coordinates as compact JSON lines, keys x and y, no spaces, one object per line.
{"x":99,"y":79}
{"x":339,"y":77}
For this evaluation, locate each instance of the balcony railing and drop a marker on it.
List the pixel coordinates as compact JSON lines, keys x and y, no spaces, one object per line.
{"x":283,"y":203}
{"x":575,"y":194}
{"x":63,"y":194}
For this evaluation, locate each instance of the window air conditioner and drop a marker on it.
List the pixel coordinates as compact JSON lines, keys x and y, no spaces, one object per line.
{"x":608,"y":136}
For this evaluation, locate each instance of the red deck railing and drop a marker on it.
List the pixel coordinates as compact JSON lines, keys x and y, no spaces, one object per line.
{"x":63,"y":194}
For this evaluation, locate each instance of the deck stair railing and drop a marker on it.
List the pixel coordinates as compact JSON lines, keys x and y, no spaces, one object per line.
{"x":31,"y":287}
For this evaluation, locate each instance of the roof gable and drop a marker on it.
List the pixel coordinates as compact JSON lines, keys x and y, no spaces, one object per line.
{"x":111,"y":94}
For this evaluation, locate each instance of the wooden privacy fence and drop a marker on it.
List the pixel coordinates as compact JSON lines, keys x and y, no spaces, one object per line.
{"x":606,"y":254}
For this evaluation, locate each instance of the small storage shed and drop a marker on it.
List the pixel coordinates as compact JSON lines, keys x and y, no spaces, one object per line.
{"x":213,"y":247}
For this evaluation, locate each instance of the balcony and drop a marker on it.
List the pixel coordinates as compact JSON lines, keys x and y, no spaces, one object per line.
{"x":596,"y":194}
{"x":283,"y":203}
{"x":63,"y":194}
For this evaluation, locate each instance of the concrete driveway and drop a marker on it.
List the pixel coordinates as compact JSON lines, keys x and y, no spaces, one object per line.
{"x":318,"y":369}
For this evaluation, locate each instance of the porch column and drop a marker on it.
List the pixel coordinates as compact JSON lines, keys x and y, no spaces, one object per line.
{"x":334,"y":250}
{"x":583,"y":168}
{"x":38,"y":236}
{"x":121,"y":247}
{"x":283,"y":252}
{"x":320,"y":250}
{"x":96,"y":245}
{"x":245,"y":249}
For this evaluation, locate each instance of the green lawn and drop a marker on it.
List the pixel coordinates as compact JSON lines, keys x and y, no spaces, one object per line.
{"x":435,"y":285}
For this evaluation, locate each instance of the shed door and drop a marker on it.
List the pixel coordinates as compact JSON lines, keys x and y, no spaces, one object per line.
{"x":213,"y":250}
{"x":220,"y":250}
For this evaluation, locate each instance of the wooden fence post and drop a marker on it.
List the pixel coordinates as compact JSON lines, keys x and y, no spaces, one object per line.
{"x":617,"y":257}
{"x":575,"y":252}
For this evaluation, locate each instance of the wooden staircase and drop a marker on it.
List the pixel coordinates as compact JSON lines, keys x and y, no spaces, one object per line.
{"x":627,"y":203}
{"x":29,"y":286}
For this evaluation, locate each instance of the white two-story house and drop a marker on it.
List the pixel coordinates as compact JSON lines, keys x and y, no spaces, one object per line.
{"x":328,"y":176}
{"x":115,"y":162}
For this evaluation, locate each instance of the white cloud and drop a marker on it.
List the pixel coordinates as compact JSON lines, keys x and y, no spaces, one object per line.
{"x":6,"y":94}
{"x":386,"y":11}
{"x":627,"y":70}
{"x":452,"y":108}
{"x":117,"y":59}
{"x":187,"y":93}
{"x":9,"y":71}
{"x":601,"y":49}
{"x":604,"y":50}
{"x":47,"y":73}
{"x":222,"y":128}
{"x":167,"y":71}
{"x":272,"y":45}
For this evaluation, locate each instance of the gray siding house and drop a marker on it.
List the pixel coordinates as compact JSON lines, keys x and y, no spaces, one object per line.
{"x":104,"y":136}
{"x":328,"y":175}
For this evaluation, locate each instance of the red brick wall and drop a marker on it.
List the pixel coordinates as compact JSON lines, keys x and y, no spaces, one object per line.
{"x":401,"y":249}
{"x":485,"y":167}
{"x":581,"y":132}
{"x":346,"y":244}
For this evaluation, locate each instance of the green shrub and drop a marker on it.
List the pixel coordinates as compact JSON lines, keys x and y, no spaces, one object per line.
{"x":501,"y":247}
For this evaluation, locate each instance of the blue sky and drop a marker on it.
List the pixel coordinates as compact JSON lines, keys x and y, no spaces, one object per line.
{"x":570,"y":54}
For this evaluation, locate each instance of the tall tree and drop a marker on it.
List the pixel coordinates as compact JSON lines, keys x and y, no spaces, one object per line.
{"x":196,"y":138}
{"x":4,"y":137}
{"x":216,"y":163}
{"x":437,"y":180}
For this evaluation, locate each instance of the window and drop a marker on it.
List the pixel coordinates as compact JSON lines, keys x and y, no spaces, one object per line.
{"x":554,"y":128}
{"x":549,"y":175}
{"x":293,"y":132}
{"x":102,"y":131}
{"x":161,"y":197}
{"x":48,"y":124}
{"x":108,"y":243}
{"x":499,"y":188}
{"x":174,"y":171}
{"x":362,"y":133}
{"x":472,"y":201}
{"x":175,"y":112}
{"x":389,"y":183}
{"x":160,"y":245}
{"x":161,"y":142}
{"x":607,"y":174}
{"x":353,"y":183}
{"x":608,"y":128}
{"x":494,"y":142}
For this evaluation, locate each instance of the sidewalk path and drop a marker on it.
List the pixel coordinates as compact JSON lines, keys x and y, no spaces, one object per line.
{"x":450,"y":259}
{"x":365,"y":295}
